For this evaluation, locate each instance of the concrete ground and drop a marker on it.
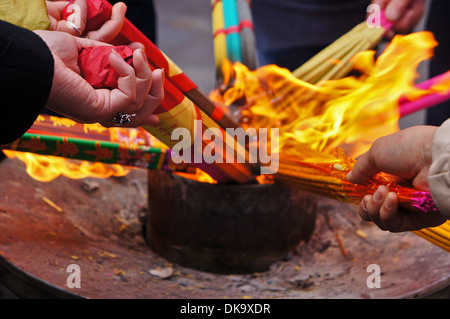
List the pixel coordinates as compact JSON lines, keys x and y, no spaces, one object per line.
{"x":185,"y":35}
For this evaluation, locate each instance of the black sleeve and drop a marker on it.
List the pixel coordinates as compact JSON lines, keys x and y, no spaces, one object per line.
{"x":26,"y":74}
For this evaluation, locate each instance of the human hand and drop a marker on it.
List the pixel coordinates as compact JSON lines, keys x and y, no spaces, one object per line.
{"x":139,"y":90}
{"x":405,"y":14}
{"x":407,"y":155}
{"x":76,"y":23}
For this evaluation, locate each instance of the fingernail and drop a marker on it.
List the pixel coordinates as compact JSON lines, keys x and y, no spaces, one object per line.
{"x":124,"y":8}
{"x":143,"y":53}
{"x":364,"y":203}
{"x":389,"y":202}
{"x":114,"y":52}
{"x":378,"y":196}
{"x":349,"y":176}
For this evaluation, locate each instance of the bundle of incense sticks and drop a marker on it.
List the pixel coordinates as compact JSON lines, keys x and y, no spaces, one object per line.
{"x":99,"y":11}
{"x":328,"y":180}
{"x":234,"y":39}
{"x":98,"y":151}
{"x":178,"y":109}
{"x":440,"y":236}
{"x":334,"y":61}
{"x":62,"y":137}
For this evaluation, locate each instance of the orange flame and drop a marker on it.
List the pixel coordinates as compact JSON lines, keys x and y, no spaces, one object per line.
{"x":47,"y":168}
{"x":349,"y":113}
{"x":314,"y":120}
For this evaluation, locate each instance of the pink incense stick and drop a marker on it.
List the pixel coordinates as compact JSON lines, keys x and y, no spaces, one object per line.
{"x":408,"y":107}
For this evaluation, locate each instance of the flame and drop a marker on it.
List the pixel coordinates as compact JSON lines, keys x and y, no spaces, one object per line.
{"x":348,"y":113}
{"x":198,"y":176}
{"x":314,"y":120}
{"x":47,"y":168}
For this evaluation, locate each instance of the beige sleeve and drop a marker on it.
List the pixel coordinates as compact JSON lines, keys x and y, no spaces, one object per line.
{"x":439,"y":175}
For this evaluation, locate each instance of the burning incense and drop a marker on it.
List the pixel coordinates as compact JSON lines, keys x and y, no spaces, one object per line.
{"x":317,"y":122}
{"x":327,"y":178}
{"x":329,"y":181}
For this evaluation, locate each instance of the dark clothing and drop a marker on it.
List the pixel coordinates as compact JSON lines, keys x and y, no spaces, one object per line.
{"x":26,"y":68}
{"x":142,"y":14}
{"x":439,"y":24}
{"x":301,"y":27}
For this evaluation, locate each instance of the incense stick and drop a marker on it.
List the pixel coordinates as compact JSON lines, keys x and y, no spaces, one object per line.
{"x":138,"y":156}
{"x":323,"y":65}
{"x":248,"y":41}
{"x":422,"y":103}
{"x":408,"y":107}
{"x":233,"y":37}
{"x":219,"y":37}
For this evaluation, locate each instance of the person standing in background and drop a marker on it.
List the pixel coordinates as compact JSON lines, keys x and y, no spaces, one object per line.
{"x":439,"y":23}
{"x":290,"y":32}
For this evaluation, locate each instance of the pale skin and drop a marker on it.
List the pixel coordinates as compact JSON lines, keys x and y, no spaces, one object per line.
{"x":404,"y":13}
{"x":139,"y":91}
{"x":107,"y":31}
{"x":407,"y":155}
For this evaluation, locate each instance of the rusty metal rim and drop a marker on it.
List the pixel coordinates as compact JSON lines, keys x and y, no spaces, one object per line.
{"x":24,"y":285}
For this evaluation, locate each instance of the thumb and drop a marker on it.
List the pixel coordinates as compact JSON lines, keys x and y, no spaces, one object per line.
{"x":85,"y":42}
{"x":365,"y":168}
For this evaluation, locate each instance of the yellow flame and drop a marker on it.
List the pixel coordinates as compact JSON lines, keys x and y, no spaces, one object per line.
{"x":350,"y":112}
{"x":47,"y":168}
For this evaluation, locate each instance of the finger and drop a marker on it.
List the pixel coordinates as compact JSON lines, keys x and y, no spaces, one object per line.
{"x":362,"y":209}
{"x":389,"y":213}
{"x":375,"y":204}
{"x":145,"y":115}
{"x":111,"y":28}
{"x":365,"y":168}
{"x":76,"y":21}
{"x":143,"y":75}
{"x":136,"y":45}
{"x":381,"y":3}
{"x":125,"y":94}
{"x":395,"y":9}
{"x":85,"y":42}
{"x":408,"y":21}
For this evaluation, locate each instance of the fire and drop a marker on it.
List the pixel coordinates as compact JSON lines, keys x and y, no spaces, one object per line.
{"x":47,"y":168}
{"x":199,"y":176}
{"x":313,"y":120}
{"x":349,"y":113}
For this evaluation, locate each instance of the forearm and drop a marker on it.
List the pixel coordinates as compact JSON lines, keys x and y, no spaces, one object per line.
{"x":26,"y":69}
{"x":439,"y":174}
